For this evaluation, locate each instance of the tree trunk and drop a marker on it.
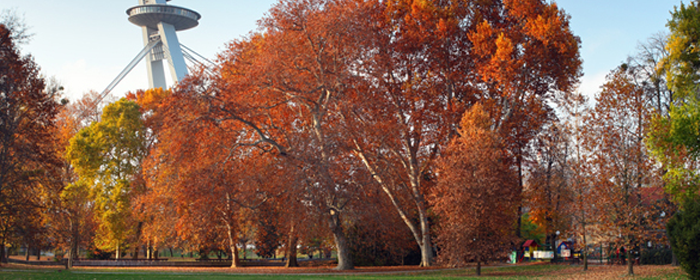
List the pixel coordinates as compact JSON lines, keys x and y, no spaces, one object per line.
{"x":139,"y":229}
{"x":292,"y":249}
{"x":630,"y":270}
{"x":341,"y":243}
{"x":423,"y":237}
{"x":478,"y":265}
{"x":118,"y":254}
{"x":75,"y":252}
{"x":554,"y":247}
{"x":69,"y":261}
{"x":674,"y":260}
{"x":72,"y":252}
{"x":235,"y":262}
{"x":426,"y":252}
{"x":27,"y":253}
{"x":136,"y":252}
{"x":38,"y":254}
{"x":518,"y":230}
{"x":585,"y":250}
{"x":426,"y":248}
{"x":3,"y":258}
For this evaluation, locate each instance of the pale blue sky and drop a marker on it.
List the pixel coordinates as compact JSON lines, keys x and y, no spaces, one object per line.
{"x":85,"y":44}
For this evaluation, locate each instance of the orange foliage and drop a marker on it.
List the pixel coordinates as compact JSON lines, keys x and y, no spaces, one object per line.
{"x":622,"y":167}
{"x":475,"y":197}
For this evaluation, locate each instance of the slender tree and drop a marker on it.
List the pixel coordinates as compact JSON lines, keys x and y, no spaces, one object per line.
{"x":548,"y":191}
{"x":73,"y":212}
{"x":616,"y":130}
{"x":580,"y":175}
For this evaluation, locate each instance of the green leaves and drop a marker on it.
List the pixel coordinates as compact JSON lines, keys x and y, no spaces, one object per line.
{"x":106,"y":155}
{"x":674,"y":140}
{"x":683,"y":62}
{"x":684,"y":232}
{"x":685,"y":126}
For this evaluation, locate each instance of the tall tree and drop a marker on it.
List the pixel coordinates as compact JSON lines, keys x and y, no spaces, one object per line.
{"x":72,"y":216}
{"x":674,"y":137}
{"x":106,"y":155}
{"x":283,"y":86}
{"x":424,"y":62}
{"x":580,"y":176}
{"x":526,"y":55}
{"x":476,"y":196}
{"x":548,"y":192}
{"x":27,"y":120}
{"x":616,"y":130}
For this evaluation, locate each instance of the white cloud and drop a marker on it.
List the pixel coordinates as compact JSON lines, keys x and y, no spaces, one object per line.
{"x":591,"y":84}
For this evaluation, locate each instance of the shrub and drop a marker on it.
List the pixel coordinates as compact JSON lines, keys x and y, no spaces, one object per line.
{"x":658,"y":256}
{"x":684,"y":232}
{"x":93,"y":253}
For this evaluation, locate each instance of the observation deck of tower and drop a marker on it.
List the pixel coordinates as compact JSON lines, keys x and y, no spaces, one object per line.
{"x":159,"y":23}
{"x":150,"y":15}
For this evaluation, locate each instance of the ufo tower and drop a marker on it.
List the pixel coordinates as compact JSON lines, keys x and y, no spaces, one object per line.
{"x":159,"y":24}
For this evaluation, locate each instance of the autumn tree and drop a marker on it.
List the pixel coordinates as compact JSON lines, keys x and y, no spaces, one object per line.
{"x":106,"y":155}
{"x":318,"y":83}
{"x":580,"y":178}
{"x":283,"y":85}
{"x":673,"y":137}
{"x":548,"y":192}
{"x":154,"y":214}
{"x":267,"y":238}
{"x":65,"y":228}
{"x":202,"y":177}
{"x":532,"y":59}
{"x":475,"y":197}
{"x":27,"y":119}
{"x":72,"y":212}
{"x":424,"y":62}
{"x":623,"y":168}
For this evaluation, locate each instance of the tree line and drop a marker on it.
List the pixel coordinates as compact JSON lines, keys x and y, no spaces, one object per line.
{"x":372,"y":128}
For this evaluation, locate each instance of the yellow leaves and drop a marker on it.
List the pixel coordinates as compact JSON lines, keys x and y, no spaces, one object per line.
{"x":504,"y":49}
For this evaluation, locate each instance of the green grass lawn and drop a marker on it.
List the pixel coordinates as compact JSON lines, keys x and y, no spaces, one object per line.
{"x":512,"y":272}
